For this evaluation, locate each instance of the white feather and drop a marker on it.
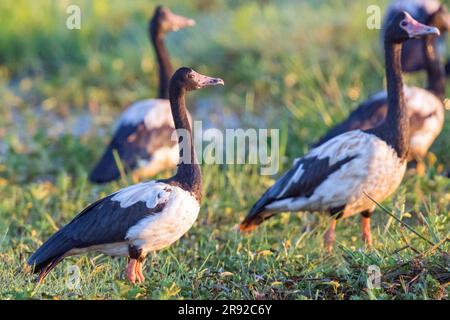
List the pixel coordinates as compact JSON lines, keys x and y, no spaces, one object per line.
{"x":159,"y":231}
{"x":416,"y":99}
{"x":154,"y":112}
{"x":429,"y":107}
{"x":422,"y":102}
{"x":152,"y":193}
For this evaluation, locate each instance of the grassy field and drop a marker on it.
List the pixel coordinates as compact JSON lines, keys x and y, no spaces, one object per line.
{"x":302,"y":65}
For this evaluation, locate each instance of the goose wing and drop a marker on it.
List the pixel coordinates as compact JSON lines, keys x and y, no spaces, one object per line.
{"x":322,"y":180}
{"x":103,"y":222}
{"x":143,"y":129}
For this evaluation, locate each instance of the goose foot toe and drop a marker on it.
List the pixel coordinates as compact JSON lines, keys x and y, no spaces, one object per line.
{"x":131,"y":271}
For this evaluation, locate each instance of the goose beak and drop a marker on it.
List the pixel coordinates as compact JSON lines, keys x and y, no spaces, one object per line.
{"x":425,"y":30}
{"x":179,"y":22}
{"x":205,"y":81}
{"x":416,"y":29}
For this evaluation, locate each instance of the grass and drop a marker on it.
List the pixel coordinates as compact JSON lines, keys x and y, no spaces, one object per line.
{"x":303,"y":66}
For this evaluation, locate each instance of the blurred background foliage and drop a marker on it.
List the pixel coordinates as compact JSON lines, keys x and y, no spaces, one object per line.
{"x":281,"y":61}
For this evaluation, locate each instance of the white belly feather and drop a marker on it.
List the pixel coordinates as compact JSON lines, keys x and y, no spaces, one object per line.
{"x":385,"y":172}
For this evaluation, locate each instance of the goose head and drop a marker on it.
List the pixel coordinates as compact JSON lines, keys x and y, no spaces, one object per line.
{"x":189,"y":80}
{"x":164,"y":21}
{"x":404,"y":27}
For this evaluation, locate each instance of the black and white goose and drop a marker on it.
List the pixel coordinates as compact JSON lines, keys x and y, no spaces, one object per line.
{"x":142,"y":136}
{"x":141,"y":218}
{"x":425,"y":107}
{"x":413,"y":58}
{"x":337,"y":176}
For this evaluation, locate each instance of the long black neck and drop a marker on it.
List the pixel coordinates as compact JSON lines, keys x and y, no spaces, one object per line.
{"x":188,"y":172}
{"x":165,"y":67}
{"x":434,"y":67}
{"x":395,"y":130}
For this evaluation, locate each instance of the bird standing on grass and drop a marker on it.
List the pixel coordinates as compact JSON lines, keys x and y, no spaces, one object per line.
{"x":340,"y":175}
{"x":142,"y":139}
{"x":426,"y":108}
{"x":141,"y":218}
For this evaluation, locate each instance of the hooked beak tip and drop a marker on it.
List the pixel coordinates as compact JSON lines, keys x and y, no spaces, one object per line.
{"x":436,"y":31}
{"x":426,"y":31}
{"x":433,"y":30}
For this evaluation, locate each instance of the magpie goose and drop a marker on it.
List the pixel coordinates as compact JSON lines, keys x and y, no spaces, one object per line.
{"x":425,"y":107}
{"x":141,"y":218}
{"x":142,"y":136}
{"x":340,"y":175}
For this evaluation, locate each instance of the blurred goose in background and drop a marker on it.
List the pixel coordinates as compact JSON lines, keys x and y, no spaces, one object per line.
{"x":142,"y":139}
{"x":340,"y":175}
{"x":426,"y":108}
{"x":141,"y":218}
{"x":413,"y":58}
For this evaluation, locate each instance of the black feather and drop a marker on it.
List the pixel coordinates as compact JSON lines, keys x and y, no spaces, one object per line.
{"x":132,"y":143}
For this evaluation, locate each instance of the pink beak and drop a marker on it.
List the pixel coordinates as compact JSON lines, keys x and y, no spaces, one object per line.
{"x":179,"y":22}
{"x":416,"y":29}
{"x":205,"y":81}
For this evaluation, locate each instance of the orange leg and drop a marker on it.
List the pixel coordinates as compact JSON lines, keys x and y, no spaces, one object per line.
{"x":329,"y":237}
{"x":131,"y":270}
{"x":421,"y":168}
{"x":138,"y":270}
{"x":365,"y":230}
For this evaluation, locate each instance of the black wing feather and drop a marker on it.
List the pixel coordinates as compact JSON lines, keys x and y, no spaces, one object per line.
{"x":132,"y":143}
{"x":315,"y":171}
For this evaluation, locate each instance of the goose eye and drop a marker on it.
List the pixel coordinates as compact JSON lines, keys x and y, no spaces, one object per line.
{"x":404,"y":23}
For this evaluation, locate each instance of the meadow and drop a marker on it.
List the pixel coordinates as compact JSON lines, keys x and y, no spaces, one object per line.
{"x":299,"y":66}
